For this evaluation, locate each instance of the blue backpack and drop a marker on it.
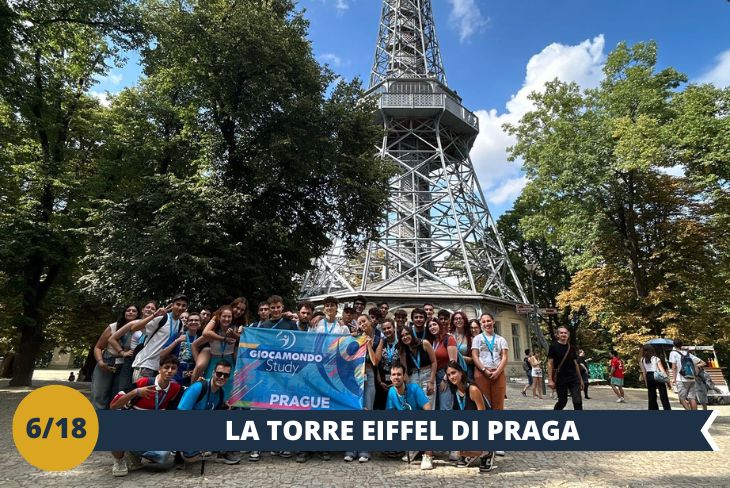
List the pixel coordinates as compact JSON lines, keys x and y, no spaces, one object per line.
{"x":687,"y":366}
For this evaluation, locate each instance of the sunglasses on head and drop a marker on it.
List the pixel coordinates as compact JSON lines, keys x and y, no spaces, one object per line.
{"x":221,"y":374}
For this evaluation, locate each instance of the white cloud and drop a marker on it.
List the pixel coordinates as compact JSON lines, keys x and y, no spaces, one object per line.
{"x":103,"y":97}
{"x":112,"y":78}
{"x":466,"y":18}
{"x":342,"y":5}
{"x":507,"y":191}
{"x":501,"y":180}
{"x":331,"y":59}
{"x":719,"y":75}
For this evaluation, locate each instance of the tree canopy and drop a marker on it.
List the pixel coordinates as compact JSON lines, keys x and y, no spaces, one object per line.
{"x":629,"y":182}
{"x":223,"y":173}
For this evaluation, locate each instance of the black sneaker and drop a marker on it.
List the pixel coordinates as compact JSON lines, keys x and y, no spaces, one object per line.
{"x":487,"y":463}
{"x":302,"y":457}
{"x":325,"y":456}
{"x":254,"y":456}
{"x":462,"y":462}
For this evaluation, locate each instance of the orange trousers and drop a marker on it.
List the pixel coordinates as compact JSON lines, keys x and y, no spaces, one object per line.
{"x":493,"y":389}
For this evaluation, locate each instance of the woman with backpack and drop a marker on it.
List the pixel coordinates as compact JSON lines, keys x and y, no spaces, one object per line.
{"x":655,"y":377}
{"x":467,"y":396}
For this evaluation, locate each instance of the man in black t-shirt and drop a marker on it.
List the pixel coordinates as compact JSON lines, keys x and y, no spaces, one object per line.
{"x":563,"y":371}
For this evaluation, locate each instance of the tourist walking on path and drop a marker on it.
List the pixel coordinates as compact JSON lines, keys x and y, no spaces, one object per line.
{"x":584,"y":372}
{"x":527,"y":367}
{"x":536,"y":373}
{"x":563,"y":373}
{"x":684,"y":370}
{"x":616,"y":375}
{"x":655,"y":377}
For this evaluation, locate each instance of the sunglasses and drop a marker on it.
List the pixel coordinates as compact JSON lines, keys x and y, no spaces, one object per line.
{"x":221,"y":374}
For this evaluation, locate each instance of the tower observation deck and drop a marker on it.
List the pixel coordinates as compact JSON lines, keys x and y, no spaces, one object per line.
{"x":440,"y":243}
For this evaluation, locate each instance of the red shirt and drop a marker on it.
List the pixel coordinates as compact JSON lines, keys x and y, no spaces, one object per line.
{"x":166,"y":399}
{"x":618,"y":367}
{"x":442,"y":353}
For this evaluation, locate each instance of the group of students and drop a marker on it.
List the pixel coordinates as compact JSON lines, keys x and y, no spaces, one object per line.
{"x":171,"y":358}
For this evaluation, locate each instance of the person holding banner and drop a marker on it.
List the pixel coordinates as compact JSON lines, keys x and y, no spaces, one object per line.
{"x":276,"y":316}
{"x":402,"y":396}
{"x":417,"y":357}
{"x":329,"y":324}
{"x":372,"y":358}
{"x":467,"y":396}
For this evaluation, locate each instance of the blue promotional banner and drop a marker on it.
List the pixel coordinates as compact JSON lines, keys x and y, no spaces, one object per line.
{"x":291,"y":370}
{"x":379,"y":430}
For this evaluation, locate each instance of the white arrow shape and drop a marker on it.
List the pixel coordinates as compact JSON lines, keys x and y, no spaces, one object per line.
{"x":706,"y":430}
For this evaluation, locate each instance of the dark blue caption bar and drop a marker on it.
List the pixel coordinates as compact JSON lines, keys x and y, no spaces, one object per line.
{"x":512,"y":430}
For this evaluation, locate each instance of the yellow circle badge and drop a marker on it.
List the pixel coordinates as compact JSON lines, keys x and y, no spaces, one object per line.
{"x":55,"y":428}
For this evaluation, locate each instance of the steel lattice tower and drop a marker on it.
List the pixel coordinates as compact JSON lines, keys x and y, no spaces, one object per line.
{"x":440,"y":242}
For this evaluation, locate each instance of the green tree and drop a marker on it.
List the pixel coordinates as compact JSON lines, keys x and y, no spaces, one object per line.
{"x":240,"y":156}
{"x":643,"y":242}
{"x":58,"y":49}
{"x":551,"y":277}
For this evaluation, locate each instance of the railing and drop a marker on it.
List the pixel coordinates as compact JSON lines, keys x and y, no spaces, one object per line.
{"x":429,"y":100}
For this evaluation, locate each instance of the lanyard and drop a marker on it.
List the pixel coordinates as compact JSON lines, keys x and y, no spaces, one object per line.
{"x":276,"y":324}
{"x":461,"y":400}
{"x":159,"y":401}
{"x":423,"y":336}
{"x":402,"y":398}
{"x":327,"y":329}
{"x":490,"y":346}
{"x":416,"y":358}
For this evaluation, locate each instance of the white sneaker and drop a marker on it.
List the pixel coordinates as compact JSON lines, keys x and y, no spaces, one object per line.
{"x":363,"y":459}
{"x":620,"y":400}
{"x":426,"y":462}
{"x":120,"y":467}
{"x":499,"y":453}
{"x":348,"y":459}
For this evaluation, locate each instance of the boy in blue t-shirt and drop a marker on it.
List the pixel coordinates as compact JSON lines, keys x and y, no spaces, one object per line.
{"x":403,"y":396}
{"x":208,"y":395}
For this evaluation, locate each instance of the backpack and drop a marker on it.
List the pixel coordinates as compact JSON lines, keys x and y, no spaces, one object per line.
{"x":204,"y":391}
{"x":144,"y":340}
{"x":687,"y":366}
{"x":526,"y":365}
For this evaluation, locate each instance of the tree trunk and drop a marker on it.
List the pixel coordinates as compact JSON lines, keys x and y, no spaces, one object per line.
{"x":31,"y":340}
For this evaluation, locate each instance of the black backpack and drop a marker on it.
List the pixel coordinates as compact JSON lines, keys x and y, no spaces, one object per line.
{"x":204,"y":391}
{"x":526,"y":365}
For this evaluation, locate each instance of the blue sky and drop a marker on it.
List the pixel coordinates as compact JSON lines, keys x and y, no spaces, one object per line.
{"x":495,"y":52}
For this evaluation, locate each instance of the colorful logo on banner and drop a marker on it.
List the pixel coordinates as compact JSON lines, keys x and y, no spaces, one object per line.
{"x":291,"y":370}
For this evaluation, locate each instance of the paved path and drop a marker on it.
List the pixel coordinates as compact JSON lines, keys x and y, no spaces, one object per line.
{"x":517,"y":469}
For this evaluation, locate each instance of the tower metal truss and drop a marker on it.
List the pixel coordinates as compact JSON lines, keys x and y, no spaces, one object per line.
{"x":439,"y":240}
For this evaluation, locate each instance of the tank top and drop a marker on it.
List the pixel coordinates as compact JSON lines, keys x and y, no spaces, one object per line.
{"x":418,"y":359}
{"x":466,"y":401}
